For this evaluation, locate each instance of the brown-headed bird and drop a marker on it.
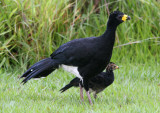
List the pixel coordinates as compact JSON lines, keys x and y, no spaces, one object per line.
{"x":96,"y":84}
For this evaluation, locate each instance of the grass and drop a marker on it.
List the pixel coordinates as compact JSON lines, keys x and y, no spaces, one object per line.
{"x":135,"y":90}
{"x":32,"y":29}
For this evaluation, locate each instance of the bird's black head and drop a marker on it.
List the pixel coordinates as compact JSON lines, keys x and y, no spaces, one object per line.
{"x":116,"y":18}
{"x":112,"y":66}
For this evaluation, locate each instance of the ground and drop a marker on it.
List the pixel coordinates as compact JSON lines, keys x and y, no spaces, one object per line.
{"x":136,"y":89}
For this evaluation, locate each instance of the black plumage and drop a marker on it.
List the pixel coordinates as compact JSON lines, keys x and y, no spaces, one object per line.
{"x":97,"y":83}
{"x":85,"y":57}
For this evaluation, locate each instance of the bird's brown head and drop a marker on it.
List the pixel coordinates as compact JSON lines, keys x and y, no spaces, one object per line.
{"x":112,"y":66}
{"x":116,"y":18}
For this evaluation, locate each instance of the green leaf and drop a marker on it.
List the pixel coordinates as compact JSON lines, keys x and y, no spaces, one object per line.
{"x":3,"y":61}
{"x":12,"y":12}
{"x":7,"y":41}
{"x":3,"y":33}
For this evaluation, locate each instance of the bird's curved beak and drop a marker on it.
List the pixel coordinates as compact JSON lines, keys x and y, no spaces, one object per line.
{"x":125,"y":17}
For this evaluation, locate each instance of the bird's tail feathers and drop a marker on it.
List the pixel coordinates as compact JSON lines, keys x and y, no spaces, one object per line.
{"x":66,"y":88}
{"x":40,"y":69}
{"x":74,"y":83}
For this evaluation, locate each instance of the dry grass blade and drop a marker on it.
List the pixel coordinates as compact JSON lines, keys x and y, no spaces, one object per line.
{"x":136,"y":42}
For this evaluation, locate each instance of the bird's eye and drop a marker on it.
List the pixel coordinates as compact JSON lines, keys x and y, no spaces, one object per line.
{"x":120,"y":16}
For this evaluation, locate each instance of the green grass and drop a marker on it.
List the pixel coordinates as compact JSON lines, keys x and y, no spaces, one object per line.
{"x":135,"y":90}
{"x":32,"y":29}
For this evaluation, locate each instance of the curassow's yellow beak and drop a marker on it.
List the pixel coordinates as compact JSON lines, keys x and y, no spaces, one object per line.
{"x":126,"y":17}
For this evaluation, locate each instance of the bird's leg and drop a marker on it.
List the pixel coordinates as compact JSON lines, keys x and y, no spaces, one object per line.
{"x":85,"y":80}
{"x":89,"y":98}
{"x":81,"y":92}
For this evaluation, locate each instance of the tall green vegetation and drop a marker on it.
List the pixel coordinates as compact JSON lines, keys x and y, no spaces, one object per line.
{"x":32,"y":29}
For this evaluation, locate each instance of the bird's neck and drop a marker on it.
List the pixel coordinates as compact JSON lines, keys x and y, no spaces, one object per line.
{"x":112,"y":25}
{"x":110,"y":73}
{"x":109,"y":37}
{"x":110,"y":31}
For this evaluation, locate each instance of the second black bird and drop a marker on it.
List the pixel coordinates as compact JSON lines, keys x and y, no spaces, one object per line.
{"x":98,"y":83}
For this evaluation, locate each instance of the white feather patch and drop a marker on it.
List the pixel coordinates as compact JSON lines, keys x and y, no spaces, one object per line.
{"x":38,"y":78}
{"x":72,"y":69}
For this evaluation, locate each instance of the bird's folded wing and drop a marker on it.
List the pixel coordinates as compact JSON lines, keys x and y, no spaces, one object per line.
{"x":76,"y":52}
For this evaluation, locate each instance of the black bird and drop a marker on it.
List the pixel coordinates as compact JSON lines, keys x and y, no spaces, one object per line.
{"x":84,"y":57}
{"x":97,"y":83}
